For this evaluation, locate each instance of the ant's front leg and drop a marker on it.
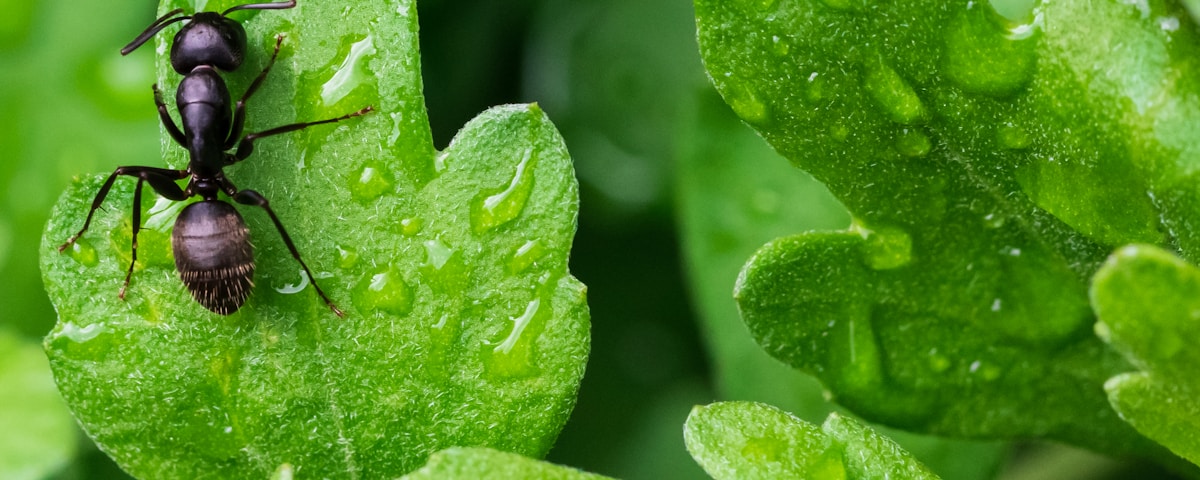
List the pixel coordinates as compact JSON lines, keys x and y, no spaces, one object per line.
{"x":239,"y":113}
{"x":167,"y":122}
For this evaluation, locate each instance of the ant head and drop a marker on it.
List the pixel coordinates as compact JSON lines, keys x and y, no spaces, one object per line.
{"x":209,"y":39}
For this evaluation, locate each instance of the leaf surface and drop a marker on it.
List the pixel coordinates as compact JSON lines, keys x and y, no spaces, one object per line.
{"x":1148,"y":301}
{"x":989,"y":164}
{"x":463,"y":325}
{"x":473,"y":463}
{"x":747,"y":440}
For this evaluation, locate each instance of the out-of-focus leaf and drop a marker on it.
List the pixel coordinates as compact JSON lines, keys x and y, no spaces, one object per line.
{"x":989,"y":165}
{"x":747,"y":440}
{"x":463,"y":325}
{"x":1148,"y":301}
{"x":38,"y":432}
{"x":473,"y":463}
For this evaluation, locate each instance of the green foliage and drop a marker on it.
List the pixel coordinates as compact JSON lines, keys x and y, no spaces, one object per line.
{"x":463,"y":325}
{"x":39,"y":432}
{"x":989,"y":163}
{"x":746,"y":440}
{"x":473,"y":463}
{"x":1147,"y":300}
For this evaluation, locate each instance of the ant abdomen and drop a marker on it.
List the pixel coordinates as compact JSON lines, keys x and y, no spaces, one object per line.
{"x":213,"y":255}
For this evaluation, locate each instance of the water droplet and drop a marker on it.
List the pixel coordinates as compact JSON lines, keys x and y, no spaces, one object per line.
{"x":492,"y":209}
{"x":913,"y":143}
{"x":385,"y":291}
{"x":894,"y":94}
{"x":410,"y":226}
{"x":989,"y":55}
{"x":444,"y":270}
{"x":855,"y":353}
{"x":525,"y":255}
{"x":745,"y":103}
{"x":986,"y":371}
{"x":886,"y":247}
{"x":439,"y":161}
{"x":839,"y":131}
{"x":937,"y":362}
{"x":347,"y":257}
{"x":780,"y":46}
{"x":763,"y":4}
{"x":992,"y":220}
{"x":1012,"y":137}
{"x":298,"y":287}
{"x":513,"y":356}
{"x":80,"y":335}
{"x":349,"y":75}
{"x":369,"y":183}
{"x":397,"y":120}
{"x":84,"y":253}
{"x":816,"y":90}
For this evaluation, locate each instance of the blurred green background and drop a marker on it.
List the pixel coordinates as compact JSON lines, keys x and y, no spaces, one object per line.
{"x":676,"y":194}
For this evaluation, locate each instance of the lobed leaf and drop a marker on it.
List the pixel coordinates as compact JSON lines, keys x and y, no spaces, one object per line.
{"x":1148,"y":301}
{"x":463,"y":325}
{"x":989,"y":163}
{"x":747,"y":440}
{"x":472,"y":463}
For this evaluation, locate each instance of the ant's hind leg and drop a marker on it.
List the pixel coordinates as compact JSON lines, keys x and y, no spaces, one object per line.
{"x":253,"y":198}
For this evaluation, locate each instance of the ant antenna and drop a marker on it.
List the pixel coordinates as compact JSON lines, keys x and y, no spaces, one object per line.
{"x":154,"y":28}
{"x":261,"y":6}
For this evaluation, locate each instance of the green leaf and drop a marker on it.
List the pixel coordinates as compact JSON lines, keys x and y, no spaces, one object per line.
{"x":39,"y":434}
{"x":989,"y":164}
{"x":463,"y":325}
{"x":734,"y":194}
{"x":1147,"y":300}
{"x":747,"y":440}
{"x":473,"y":463}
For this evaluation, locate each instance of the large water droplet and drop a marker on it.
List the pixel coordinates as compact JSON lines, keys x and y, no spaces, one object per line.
{"x":79,"y":334}
{"x":886,"y":247}
{"x":492,"y":209}
{"x":369,"y":183}
{"x":513,"y":356}
{"x":894,"y":94}
{"x":938,"y":362}
{"x":385,"y":291}
{"x":350,"y":74}
{"x":83,"y":252}
{"x":854,"y":353}
{"x":989,"y":55}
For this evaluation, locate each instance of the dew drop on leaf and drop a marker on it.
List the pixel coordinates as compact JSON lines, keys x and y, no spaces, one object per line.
{"x":983,"y":56}
{"x":894,"y":94}
{"x":511,"y":355}
{"x":745,"y":102}
{"x":83,"y":252}
{"x":491,"y":209}
{"x":385,"y":291}
{"x":410,"y":226}
{"x":525,"y":255}
{"x":913,"y":143}
{"x":347,"y":256}
{"x":350,"y":74}
{"x":369,"y":183}
{"x":1012,"y":137}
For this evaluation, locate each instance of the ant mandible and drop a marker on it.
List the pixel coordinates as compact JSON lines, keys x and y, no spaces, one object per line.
{"x":210,"y":240}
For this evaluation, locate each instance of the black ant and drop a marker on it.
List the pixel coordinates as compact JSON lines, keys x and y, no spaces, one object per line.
{"x":210,"y":240}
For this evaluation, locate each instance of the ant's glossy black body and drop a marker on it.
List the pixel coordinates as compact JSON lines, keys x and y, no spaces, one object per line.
{"x":210,"y":240}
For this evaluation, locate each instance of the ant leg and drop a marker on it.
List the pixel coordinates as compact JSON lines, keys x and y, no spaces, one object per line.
{"x":239,"y":113}
{"x":137,"y":225}
{"x":246,"y":146}
{"x":262,"y":6}
{"x":166,"y":118}
{"x":251,"y":197}
{"x":159,"y":178}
